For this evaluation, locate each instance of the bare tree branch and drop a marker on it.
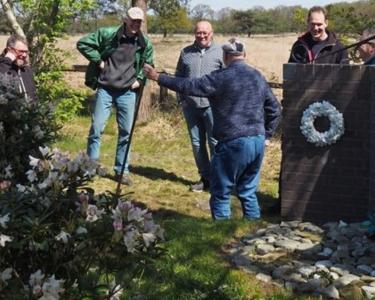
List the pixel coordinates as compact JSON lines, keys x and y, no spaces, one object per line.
{"x":12,"y":18}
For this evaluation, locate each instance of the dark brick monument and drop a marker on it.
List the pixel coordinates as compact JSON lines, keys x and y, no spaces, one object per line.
{"x":334,"y":182}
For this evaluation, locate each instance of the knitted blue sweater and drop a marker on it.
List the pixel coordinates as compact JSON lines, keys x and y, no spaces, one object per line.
{"x":242,"y":102}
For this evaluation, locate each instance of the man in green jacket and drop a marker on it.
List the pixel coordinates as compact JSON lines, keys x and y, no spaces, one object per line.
{"x":116,"y":56}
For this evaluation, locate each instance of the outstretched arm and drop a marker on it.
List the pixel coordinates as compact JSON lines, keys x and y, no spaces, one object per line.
{"x":205,"y":86}
{"x":150,"y":72}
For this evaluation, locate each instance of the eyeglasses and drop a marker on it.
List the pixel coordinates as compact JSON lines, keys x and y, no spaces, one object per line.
{"x":20,"y":51}
{"x":204,"y":33}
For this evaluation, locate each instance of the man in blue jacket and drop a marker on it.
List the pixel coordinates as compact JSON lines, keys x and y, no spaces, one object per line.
{"x":245,"y":113}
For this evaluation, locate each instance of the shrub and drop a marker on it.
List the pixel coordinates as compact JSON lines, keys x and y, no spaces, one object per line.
{"x":67,"y":102}
{"x":24,"y":126}
{"x":57,"y":237}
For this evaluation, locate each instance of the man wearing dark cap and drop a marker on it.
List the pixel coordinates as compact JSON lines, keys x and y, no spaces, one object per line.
{"x":245,"y":113}
{"x":116,"y":56}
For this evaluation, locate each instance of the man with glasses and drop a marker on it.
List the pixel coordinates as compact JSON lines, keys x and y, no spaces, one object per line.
{"x":196,"y":60}
{"x":116,"y":56}
{"x":14,"y":62}
{"x":367,"y":50}
{"x":318,"y":44}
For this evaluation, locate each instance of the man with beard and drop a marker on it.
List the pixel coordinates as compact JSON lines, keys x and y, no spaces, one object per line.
{"x":14,"y":62}
{"x":316,"y":45}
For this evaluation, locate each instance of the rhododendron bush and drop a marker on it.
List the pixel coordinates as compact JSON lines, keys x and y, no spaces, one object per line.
{"x":58,"y":238}
{"x":24,"y":127}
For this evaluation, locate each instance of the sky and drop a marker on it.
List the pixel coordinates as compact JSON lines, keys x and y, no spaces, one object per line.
{"x":247,"y":4}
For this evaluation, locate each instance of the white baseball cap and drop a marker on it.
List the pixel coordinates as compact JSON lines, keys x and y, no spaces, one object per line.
{"x":135,"y":13}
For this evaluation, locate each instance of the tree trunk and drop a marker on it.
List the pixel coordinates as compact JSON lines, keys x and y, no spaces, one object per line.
{"x":145,"y":106}
{"x":12,"y":18}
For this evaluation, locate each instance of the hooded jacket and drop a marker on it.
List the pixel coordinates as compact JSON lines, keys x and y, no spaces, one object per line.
{"x":302,"y":51}
{"x":99,"y":45}
{"x":22,"y":74}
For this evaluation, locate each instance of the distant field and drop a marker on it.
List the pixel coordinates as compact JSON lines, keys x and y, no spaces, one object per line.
{"x":265,"y":52}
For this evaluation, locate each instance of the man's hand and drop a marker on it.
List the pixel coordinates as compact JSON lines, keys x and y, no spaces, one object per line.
{"x":150,"y":72}
{"x":135,"y":85}
{"x":101,"y":65}
{"x":11,"y":55}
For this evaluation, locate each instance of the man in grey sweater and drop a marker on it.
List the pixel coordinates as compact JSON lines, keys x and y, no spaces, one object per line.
{"x":245,"y":113}
{"x":196,"y":60}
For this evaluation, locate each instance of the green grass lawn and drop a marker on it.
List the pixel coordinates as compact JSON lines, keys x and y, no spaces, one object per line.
{"x":162,"y":168}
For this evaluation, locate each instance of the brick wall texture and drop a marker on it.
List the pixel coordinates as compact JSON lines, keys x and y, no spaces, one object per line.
{"x":334,"y":182}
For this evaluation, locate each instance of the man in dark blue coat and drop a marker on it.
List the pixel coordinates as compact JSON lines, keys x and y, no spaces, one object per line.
{"x":245,"y":113}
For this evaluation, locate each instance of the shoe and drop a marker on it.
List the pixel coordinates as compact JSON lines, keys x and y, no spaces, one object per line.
{"x":202,"y":185}
{"x":125,"y":180}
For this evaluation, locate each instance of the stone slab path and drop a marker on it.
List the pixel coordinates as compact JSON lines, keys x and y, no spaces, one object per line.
{"x":336,"y":260}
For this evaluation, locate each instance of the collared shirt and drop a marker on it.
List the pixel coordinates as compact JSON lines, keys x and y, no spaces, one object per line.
{"x":196,"y":62}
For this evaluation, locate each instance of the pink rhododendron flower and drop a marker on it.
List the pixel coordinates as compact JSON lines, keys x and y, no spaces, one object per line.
{"x":4,"y":220}
{"x":5,"y":238}
{"x":124,"y":206}
{"x":117,"y":225}
{"x":6,"y":274}
{"x":93,"y":213}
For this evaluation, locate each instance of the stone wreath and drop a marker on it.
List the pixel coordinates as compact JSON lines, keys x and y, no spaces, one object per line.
{"x":322,"y":109}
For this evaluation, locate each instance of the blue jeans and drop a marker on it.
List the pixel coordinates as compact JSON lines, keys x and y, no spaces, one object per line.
{"x":124,"y":101}
{"x":200,"y":122}
{"x":236,"y":163}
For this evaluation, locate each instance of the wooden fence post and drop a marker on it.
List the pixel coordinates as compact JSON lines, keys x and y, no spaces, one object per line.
{"x":163,"y":95}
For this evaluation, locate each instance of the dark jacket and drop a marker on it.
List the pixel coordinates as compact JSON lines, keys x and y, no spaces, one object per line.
{"x":23,"y":75}
{"x":302,"y":51}
{"x":99,"y":45}
{"x":242,"y":102}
